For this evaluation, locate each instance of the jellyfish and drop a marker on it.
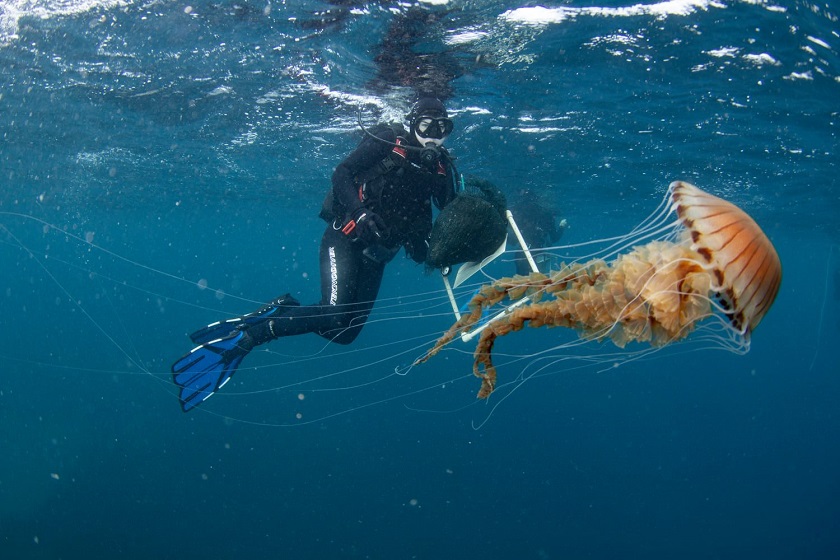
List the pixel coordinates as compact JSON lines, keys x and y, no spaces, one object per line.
{"x":712,"y":261}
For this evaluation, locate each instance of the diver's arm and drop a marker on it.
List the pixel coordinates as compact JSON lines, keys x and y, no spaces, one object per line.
{"x":443,"y":191}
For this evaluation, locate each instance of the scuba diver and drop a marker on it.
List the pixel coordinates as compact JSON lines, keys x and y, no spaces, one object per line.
{"x":380,"y":201}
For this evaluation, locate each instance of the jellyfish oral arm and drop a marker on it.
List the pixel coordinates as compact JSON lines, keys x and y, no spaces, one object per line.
{"x":503,"y":314}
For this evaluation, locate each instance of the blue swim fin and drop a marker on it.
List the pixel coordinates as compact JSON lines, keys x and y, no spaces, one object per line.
{"x":221,"y":329}
{"x":208,"y":367}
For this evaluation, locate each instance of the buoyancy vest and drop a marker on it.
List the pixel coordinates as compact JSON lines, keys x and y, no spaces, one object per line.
{"x":372,"y":181}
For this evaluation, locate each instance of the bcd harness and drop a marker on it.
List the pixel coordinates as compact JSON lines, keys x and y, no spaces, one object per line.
{"x":396,"y":158}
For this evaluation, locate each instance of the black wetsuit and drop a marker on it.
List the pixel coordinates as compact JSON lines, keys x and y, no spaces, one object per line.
{"x":393,"y":183}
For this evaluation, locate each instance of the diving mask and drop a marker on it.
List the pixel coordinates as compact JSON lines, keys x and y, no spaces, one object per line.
{"x":436,"y":128}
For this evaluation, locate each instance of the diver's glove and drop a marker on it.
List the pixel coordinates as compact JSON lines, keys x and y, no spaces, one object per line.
{"x":417,"y":249}
{"x":370,"y":228}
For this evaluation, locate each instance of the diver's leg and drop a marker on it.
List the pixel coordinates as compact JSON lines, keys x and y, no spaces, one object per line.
{"x":349,"y":284}
{"x":261,"y":325}
{"x":219,"y":329}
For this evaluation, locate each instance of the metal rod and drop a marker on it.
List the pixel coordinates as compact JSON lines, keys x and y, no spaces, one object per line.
{"x":450,"y":294}
{"x":521,"y":240}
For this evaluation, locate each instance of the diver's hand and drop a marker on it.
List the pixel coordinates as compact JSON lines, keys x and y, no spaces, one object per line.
{"x":418,"y":250}
{"x":370,"y":228}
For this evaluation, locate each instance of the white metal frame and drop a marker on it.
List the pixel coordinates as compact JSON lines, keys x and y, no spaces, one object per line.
{"x":472,"y":268}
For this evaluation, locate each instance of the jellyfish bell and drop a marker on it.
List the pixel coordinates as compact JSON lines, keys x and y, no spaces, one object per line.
{"x":657,"y":292}
{"x":745,"y":265}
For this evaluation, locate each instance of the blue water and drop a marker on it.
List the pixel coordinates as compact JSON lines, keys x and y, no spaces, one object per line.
{"x":149,"y":147}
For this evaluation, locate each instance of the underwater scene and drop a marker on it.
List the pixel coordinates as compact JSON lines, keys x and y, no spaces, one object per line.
{"x":182,"y":376}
